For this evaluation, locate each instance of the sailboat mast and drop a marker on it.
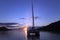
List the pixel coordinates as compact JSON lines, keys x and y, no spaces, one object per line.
{"x":32,"y":15}
{"x":32,"y":32}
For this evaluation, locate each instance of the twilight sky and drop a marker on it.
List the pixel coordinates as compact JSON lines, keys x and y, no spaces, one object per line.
{"x":48,"y":11}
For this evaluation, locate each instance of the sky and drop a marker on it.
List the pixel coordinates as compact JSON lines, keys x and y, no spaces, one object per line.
{"x":47,"y":11}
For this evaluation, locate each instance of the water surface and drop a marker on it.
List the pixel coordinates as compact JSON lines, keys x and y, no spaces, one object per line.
{"x":21,"y":35}
{"x":49,"y":36}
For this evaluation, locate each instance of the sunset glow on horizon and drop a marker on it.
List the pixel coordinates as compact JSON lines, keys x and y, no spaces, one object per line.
{"x":48,"y":11}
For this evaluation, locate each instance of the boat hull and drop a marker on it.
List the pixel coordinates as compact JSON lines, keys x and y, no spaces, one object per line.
{"x":33,"y":33}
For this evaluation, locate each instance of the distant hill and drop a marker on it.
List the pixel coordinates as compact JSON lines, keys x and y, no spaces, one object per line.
{"x":3,"y":26}
{"x":3,"y":29}
{"x":54,"y":27}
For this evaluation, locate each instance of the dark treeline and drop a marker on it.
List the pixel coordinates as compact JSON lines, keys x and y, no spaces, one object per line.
{"x":53,"y":27}
{"x":3,"y":26}
{"x":3,"y":29}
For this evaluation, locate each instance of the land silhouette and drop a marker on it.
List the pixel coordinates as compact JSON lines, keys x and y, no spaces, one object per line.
{"x":3,"y":26}
{"x":53,"y":27}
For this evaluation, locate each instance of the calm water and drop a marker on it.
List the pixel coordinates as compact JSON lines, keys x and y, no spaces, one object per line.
{"x":49,"y":36}
{"x":21,"y":35}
